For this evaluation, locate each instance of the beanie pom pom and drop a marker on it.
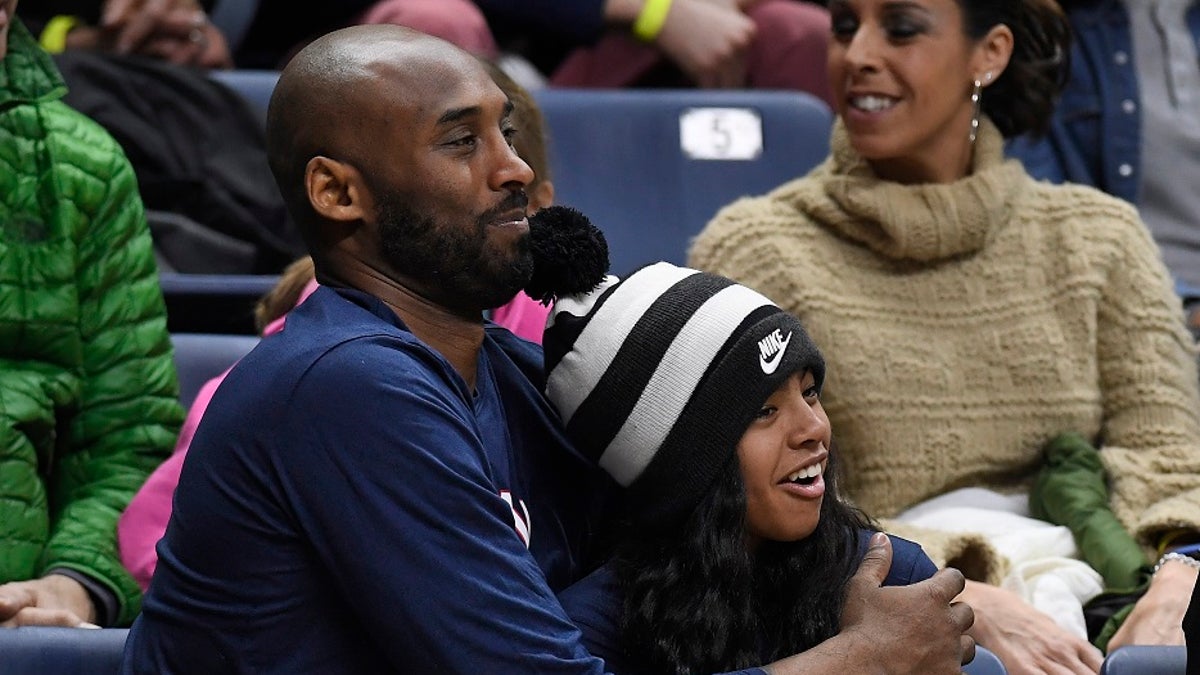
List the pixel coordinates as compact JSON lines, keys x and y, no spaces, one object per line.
{"x":570,"y":254}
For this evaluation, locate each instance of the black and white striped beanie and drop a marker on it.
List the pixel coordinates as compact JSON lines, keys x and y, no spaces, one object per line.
{"x":657,"y":377}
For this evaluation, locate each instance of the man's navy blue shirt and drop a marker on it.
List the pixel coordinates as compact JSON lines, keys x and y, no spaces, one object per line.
{"x":349,"y":505}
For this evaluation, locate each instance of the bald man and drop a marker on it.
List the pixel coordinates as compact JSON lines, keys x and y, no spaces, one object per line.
{"x":380,"y":487}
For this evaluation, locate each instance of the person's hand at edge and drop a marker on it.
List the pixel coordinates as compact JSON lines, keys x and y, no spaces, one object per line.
{"x":1025,"y":639}
{"x":1157,"y":617}
{"x":173,"y":30}
{"x":708,"y":41}
{"x":53,"y":600}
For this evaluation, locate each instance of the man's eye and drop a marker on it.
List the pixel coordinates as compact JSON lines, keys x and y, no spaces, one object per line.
{"x":765,"y":412}
{"x":812,"y":392}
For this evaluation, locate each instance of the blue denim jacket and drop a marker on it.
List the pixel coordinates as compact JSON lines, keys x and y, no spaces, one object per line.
{"x":1095,"y":133}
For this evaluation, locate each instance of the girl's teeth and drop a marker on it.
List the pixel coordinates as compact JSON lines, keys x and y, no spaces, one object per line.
{"x":808,"y":472}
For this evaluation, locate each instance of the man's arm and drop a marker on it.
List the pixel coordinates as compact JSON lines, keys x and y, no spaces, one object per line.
{"x":401,"y":502}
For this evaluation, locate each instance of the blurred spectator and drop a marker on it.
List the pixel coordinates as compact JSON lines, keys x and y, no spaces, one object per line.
{"x":181,"y":32}
{"x":1128,"y":122}
{"x":177,"y":31}
{"x":197,"y":149}
{"x":88,"y":395}
{"x":761,"y":44}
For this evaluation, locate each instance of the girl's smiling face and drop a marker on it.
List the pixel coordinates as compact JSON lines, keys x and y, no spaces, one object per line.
{"x":783,"y":455}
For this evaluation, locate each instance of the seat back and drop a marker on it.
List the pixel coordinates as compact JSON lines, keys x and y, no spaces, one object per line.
{"x":37,"y":650}
{"x":199,"y":357}
{"x":1146,"y":660}
{"x":984,"y":663}
{"x":650,"y":167}
{"x":254,"y":85}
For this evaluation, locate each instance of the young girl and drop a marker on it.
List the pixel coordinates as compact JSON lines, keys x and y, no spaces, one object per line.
{"x":702,"y":399}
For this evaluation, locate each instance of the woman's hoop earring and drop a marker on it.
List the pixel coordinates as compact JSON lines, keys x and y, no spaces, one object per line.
{"x":976,"y":94}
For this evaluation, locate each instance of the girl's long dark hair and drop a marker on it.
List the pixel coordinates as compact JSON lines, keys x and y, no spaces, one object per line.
{"x":698,"y":600}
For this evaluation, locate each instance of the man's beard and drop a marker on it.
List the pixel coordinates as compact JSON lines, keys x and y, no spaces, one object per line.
{"x":454,"y":265}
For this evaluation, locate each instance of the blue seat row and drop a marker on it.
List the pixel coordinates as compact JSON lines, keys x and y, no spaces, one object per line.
{"x":77,"y":651}
{"x":199,"y":357}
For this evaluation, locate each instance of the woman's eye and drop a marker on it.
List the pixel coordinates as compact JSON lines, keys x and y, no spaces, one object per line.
{"x":903,"y":27}
{"x":765,"y":412}
{"x":811,"y":393}
{"x":903,"y":32}
{"x":844,"y":26}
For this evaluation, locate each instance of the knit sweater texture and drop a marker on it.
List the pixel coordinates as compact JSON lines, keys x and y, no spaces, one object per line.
{"x":966,"y":324}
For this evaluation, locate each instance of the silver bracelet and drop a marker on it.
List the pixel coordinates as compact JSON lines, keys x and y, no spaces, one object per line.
{"x":1175,"y":555}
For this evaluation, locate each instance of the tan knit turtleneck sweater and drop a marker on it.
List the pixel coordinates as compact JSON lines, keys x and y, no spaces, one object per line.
{"x":966,"y":324}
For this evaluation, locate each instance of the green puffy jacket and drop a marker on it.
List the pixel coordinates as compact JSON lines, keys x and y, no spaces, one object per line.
{"x":88,"y":393}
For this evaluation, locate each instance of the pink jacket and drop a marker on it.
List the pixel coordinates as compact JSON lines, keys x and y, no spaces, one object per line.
{"x":524,"y":316}
{"x":145,"y":519}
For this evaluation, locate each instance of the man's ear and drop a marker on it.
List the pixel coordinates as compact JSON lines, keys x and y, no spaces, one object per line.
{"x":335,"y":190}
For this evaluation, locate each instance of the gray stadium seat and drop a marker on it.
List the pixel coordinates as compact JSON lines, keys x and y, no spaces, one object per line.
{"x":200,"y":357}
{"x":650,"y":167}
{"x":38,"y":650}
{"x":1146,"y":660}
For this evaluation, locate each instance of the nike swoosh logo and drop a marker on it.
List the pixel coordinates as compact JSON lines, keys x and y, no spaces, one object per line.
{"x":769,"y":366}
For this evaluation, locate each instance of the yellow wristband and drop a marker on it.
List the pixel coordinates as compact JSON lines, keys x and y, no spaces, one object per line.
{"x":650,"y":20}
{"x":54,"y":35}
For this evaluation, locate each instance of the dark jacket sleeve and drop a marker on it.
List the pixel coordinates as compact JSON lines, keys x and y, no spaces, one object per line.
{"x":580,"y":21}
{"x":910,"y":564}
{"x":1072,"y":490}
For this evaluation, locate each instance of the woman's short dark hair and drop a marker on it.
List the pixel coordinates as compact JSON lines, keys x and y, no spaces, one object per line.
{"x":1023,"y":98}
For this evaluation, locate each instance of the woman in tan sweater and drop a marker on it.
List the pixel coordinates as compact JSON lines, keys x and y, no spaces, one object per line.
{"x":973,"y":313}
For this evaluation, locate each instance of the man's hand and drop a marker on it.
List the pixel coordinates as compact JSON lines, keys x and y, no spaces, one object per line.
{"x":708,"y":41}
{"x":916,"y":629}
{"x":897,"y":630}
{"x":1157,"y":618}
{"x":1025,"y":639}
{"x":53,"y":600}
